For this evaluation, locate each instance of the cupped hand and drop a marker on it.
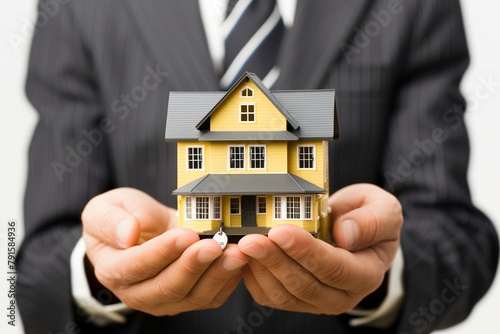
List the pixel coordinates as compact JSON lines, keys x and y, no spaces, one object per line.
{"x":291,"y":270}
{"x":149,"y":264}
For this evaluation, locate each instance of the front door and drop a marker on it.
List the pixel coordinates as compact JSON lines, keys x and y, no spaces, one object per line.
{"x":248,"y":211}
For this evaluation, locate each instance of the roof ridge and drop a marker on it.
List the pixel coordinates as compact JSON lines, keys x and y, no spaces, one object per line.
{"x":293,"y":178}
{"x":201,"y":179}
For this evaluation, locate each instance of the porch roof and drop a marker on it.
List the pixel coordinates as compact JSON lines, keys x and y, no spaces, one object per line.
{"x":249,"y":184}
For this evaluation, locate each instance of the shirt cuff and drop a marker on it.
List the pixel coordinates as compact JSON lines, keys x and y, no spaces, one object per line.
{"x":97,"y":313}
{"x":385,"y":315}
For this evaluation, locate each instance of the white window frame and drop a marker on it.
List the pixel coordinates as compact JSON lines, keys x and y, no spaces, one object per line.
{"x":188,"y":211}
{"x":250,"y":156}
{"x":258,"y":205}
{"x":191,"y":214}
{"x":196,"y":213}
{"x":248,"y":113}
{"x":202,"y":158}
{"x":283,"y":207}
{"x":229,"y":157}
{"x":231,"y":207}
{"x":307,"y":213}
{"x":290,"y":210}
{"x":277,"y":211}
{"x":247,"y":96}
{"x":216,"y":212}
{"x":314,"y":157}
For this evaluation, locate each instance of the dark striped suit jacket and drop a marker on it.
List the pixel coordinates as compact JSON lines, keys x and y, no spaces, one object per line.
{"x":99,"y":76}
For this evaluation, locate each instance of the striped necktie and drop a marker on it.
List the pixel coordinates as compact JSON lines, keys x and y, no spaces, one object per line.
{"x":252,"y":33}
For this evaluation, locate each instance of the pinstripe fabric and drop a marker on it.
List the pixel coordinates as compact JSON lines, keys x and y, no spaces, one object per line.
{"x":108,"y":66}
{"x":252,"y":37}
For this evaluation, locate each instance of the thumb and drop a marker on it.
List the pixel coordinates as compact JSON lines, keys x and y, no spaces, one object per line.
{"x":104,"y":219}
{"x":374,"y":216}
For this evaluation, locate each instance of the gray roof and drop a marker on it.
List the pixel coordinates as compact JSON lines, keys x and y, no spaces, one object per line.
{"x":313,"y":110}
{"x":249,"y":184}
{"x":185,"y":109}
{"x":247,"y":135}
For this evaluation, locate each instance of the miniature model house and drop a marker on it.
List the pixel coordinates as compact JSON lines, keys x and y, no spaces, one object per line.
{"x":251,"y":158}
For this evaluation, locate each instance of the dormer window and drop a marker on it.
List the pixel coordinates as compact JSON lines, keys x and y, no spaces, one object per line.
{"x":247,"y":92}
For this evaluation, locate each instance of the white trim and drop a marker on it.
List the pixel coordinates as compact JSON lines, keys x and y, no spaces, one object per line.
{"x":250,"y":48}
{"x":247,"y":97}
{"x":274,"y":208}
{"x":314,"y":157}
{"x":293,"y":201}
{"x":254,"y":113}
{"x":186,"y":208}
{"x":194,"y":201}
{"x":284,"y":203}
{"x":212,"y":207}
{"x":239,"y":206}
{"x":265,"y":198}
{"x":195,"y":208}
{"x":202,"y":158}
{"x":229,"y":157}
{"x":250,"y":157}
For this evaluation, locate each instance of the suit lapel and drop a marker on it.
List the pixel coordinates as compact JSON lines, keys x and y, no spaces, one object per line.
{"x":312,"y":45}
{"x":173,"y":34}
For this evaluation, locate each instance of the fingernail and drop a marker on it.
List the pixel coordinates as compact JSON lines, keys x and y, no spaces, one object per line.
{"x":123,"y":230}
{"x":232,"y":263}
{"x":206,"y":255}
{"x":283,"y":239}
{"x":255,"y":251}
{"x":182,"y":243}
{"x":351,"y":233}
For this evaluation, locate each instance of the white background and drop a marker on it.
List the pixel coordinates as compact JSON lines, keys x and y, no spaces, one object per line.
{"x":17,"y":121}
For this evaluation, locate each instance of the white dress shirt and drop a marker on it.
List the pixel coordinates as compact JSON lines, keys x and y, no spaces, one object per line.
{"x":213,"y":13}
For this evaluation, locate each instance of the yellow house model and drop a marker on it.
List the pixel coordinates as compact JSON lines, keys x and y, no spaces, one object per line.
{"x":251,"y":158}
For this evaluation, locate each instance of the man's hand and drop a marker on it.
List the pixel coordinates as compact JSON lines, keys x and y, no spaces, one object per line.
{"x":291,"y":270}
{"x":151,"y":265}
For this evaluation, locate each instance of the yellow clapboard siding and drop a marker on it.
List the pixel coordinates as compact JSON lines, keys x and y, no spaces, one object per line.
{"x":315,"y":176}
{"x":267,"y":116}
{"x":276,"y":158}
{"x":184,"y":176}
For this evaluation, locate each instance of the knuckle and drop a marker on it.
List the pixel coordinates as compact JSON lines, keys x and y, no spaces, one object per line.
{"x":282,"y":300}
{"x":136,"y":271}
{"x":258,"y":270}
{"x":106,"y":278}
{"x":295,"y":279}
{"x":215,"y":303}
{"x":168,"y":290}
{"x":104,"y":225}
{"x":263,"y":300}
{"x":134,"y":303}
{"x":372,"y":229}
{"x":301,"y":254}
{"x":309,"y":292}
{"x":275,"y":262}
{"x":197,"y":301}
{"x":336,"y":273}
{"x":193,"y":268}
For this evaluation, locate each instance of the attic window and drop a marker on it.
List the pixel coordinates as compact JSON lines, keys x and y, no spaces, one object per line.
{"x":247,"y":92}
{"x":247,"y":113}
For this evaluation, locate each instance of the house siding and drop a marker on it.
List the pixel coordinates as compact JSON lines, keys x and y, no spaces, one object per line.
{"x":268,"y":117}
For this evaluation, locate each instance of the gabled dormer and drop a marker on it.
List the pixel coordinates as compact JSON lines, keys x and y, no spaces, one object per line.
{"x":248,"y":106}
